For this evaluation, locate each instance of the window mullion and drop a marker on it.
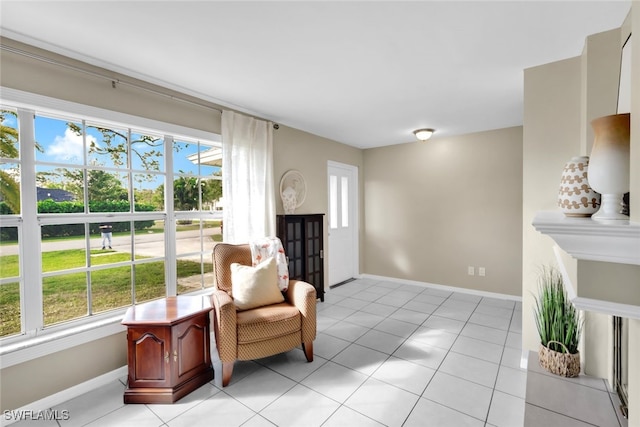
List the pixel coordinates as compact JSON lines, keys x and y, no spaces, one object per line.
{"x":87,"y":237}
{"x":171,"y":273}
{"x":132,"y":209}
{"x":30,"y":243}
{"x":85,"y":169}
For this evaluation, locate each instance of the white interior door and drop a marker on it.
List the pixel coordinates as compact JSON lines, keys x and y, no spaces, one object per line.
{"x":342,"y":220}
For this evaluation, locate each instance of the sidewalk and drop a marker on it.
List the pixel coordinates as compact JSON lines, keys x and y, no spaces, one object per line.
{"x":146,"y":244}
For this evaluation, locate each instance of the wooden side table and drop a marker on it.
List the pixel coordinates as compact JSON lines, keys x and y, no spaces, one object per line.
{"x":168,"y":348}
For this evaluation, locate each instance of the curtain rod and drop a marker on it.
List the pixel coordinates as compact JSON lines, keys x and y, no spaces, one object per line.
{"x":114,"y":82}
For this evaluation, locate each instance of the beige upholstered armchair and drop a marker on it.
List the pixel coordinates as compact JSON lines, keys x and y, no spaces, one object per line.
{"x":262,"y":331}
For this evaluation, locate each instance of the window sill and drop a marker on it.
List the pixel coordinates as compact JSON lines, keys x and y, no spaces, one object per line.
{"x":27,"y":347}
{"x":20,"y":349}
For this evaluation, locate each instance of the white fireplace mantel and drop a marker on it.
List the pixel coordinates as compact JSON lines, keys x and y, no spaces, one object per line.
{"x":586,"y":239}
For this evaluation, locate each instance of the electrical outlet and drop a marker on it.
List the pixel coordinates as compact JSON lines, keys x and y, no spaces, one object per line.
{"x":471,"y":271}
{"x":481,"y":271}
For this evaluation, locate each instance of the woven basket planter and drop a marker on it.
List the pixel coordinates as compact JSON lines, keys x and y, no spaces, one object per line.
{"x":563,"y":364}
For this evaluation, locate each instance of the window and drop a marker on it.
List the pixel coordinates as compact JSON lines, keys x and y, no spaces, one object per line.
{"x":9,"y":162}
{"x":338,"y":201}
{"x":10,"y":313}
{"x":10,"y":204}
{"x":112,"y":215}
{"x":197,"y":187}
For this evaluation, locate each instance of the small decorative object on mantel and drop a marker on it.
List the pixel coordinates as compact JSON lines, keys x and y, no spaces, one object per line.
{"x":293,"y":191}
{"x":559,"y":326}
{"x":576,"y":197}
{"x":609,"y":166}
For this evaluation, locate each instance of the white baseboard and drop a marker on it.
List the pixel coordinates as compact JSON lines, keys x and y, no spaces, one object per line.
{"x":444,"y":287}
{"x":67,"y":394}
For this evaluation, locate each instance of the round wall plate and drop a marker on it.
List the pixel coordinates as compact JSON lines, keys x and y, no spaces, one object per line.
{"x":295,"y":180}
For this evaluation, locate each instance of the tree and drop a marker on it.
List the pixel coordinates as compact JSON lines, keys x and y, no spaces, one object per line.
{"x":8,"y":136}
{"x":104,"y":186}
{"x":9,"y":188}
{"x":150,"y":197}
{"x":67,"y":179}
{"x":10,"y":192}
{"x":211,"y":190}
{"x":147,"y":149}
{"x":185,"y":193}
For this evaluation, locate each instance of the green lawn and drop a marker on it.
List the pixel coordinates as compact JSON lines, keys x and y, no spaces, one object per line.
{"x":65,"y":296}
{"x":63,"y":260}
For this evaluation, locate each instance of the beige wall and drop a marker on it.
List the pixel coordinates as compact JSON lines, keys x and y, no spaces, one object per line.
{"x":599,"y":83}
{"x":551,"y":137}
{"x":608,"y":281}
{"x":560,"y":100}
{"x":38,"y":378}
{"x":310,"y":154}
{"x":24,"y":73}
{"x":433,"y":209}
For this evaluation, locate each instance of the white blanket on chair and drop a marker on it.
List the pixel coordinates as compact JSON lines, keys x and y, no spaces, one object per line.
{"x":271,"y":247}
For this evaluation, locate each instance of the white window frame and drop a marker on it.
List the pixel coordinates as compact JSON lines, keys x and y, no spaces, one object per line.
{"x":37,"y":341}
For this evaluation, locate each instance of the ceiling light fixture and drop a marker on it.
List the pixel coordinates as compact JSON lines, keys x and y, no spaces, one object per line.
{"x":423,"y":134}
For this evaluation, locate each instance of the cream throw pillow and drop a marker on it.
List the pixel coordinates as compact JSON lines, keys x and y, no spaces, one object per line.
{"x":255,"y":286}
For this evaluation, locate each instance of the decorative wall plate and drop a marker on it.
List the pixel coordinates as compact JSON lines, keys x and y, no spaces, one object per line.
{"x":294,"y":180}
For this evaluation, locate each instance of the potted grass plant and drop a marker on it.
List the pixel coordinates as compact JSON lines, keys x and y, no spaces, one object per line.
{"x":559,"y":326}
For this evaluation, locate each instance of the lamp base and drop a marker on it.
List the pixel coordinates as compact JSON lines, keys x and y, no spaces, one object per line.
{"x":610,"y":207}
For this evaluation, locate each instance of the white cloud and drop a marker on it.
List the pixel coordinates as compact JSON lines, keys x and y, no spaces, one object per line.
{"x":68,"y":147}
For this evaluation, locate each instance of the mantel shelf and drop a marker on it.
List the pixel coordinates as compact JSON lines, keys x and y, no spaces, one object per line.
{"x":586,"y":239}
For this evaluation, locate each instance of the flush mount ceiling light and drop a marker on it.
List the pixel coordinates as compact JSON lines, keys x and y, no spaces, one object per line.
{"x":423,"y":134}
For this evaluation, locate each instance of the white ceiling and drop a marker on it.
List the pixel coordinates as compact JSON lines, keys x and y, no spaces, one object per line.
{"x":363,"y":73}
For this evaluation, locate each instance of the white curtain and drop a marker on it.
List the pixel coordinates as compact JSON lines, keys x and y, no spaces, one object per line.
{"x":247,"y":178}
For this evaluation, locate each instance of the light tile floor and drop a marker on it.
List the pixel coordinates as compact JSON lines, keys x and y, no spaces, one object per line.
{"x":592,"y":402}
{"x":386,"y":354}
